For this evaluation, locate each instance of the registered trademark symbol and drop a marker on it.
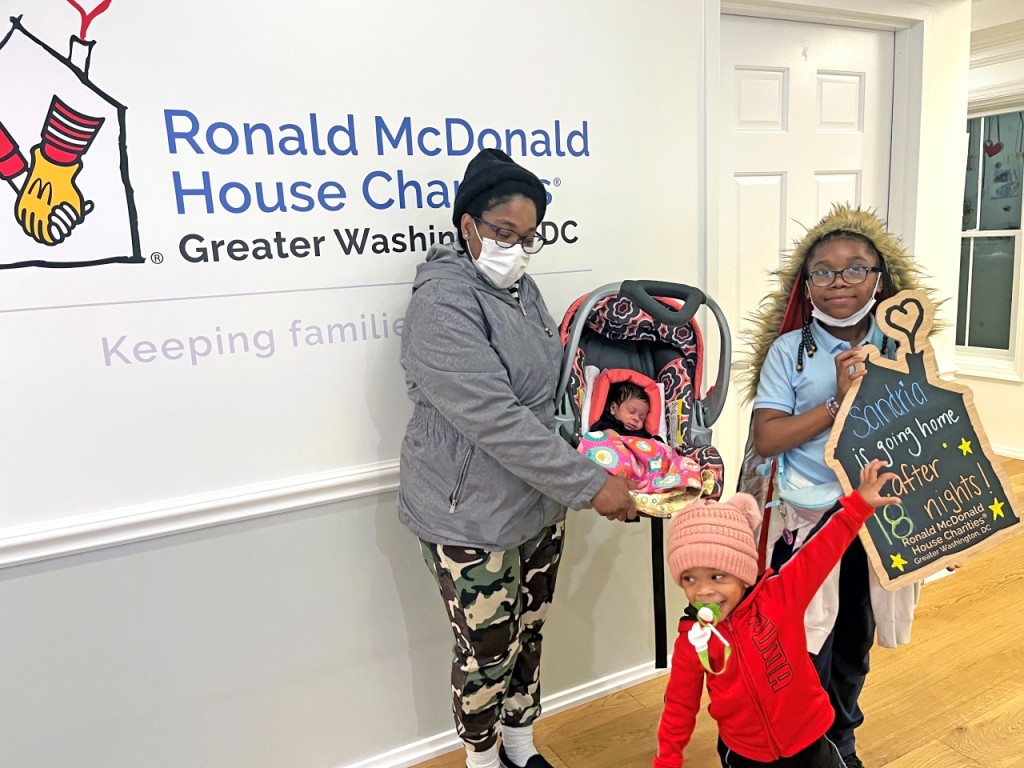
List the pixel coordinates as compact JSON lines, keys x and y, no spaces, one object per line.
{"x":156,"y":257}
{"x":557,"y":182}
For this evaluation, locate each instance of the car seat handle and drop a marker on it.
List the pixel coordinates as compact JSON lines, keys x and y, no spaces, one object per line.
{"x":642,"y":293}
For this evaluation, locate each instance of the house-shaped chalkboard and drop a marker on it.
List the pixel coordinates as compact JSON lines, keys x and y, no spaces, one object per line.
{"x":956,"y":500}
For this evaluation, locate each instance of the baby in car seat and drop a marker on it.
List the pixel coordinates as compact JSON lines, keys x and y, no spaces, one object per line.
{"x":625,"y":442}
{"x":626,"y":412}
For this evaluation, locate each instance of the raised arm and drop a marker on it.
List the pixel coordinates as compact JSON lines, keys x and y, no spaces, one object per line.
{"x":801,"y":577}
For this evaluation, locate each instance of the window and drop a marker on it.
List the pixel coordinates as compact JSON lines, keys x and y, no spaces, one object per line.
{"x":988,"y":311}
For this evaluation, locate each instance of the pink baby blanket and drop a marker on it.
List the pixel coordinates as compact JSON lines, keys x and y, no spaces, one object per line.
{"x":650,"y":463}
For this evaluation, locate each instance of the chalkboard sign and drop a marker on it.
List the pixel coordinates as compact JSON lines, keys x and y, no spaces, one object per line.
{"x":955,"y":497}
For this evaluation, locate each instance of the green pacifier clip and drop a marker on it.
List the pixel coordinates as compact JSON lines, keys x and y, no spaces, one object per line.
{"x":700,"y":633}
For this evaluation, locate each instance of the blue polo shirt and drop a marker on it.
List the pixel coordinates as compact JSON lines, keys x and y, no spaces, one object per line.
{"x":783,"y":388}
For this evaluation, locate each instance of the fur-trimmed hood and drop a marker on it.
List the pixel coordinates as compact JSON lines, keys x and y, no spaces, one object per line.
{"x":779,"y":310}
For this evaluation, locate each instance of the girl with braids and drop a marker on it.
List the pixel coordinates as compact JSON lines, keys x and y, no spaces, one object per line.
{"x":807,"y":352}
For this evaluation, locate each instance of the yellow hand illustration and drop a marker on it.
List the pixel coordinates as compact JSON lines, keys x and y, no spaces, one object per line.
{"x":49,"y":186}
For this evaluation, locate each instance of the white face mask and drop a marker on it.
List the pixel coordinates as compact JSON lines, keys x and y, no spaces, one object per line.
{"x":853,"y":319}
{"x":502,"y":266}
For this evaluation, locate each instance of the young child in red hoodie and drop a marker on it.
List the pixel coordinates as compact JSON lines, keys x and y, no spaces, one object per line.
{"x":746,"y":634}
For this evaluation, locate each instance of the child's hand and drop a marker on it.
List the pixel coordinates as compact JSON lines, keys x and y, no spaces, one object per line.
{"x":871,"y":484}
{"x":850,"y":366}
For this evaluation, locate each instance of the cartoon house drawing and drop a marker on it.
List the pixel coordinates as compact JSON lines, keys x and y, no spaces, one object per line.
{"x":68,"y":200}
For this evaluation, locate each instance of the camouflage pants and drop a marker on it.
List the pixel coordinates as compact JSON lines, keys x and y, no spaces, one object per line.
{"x":497,"y":603}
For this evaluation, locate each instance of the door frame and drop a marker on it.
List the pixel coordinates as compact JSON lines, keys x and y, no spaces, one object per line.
{"x":932,"y":45}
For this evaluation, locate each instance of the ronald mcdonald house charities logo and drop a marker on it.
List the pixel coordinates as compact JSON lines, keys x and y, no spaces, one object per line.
{"x":63,"y":157}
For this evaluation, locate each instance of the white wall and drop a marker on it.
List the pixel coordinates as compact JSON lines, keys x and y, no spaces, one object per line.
{"x":997,"y":40}
{"x":315,"y":637}
{"x":308,"y":639}
{"x":992,"y":13}
{"x":996,"y":83}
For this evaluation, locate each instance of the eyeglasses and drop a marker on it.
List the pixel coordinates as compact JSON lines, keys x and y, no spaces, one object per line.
{"x":506,"y":238}
{"x":851,"y":275}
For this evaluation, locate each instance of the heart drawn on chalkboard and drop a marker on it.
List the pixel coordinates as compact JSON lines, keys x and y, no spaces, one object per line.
{"x":993,"y":148}
{"x":906,"y":317}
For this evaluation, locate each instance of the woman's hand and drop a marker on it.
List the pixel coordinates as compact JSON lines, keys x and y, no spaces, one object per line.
{"x":850,"y":366}
{"x":613,"y":500}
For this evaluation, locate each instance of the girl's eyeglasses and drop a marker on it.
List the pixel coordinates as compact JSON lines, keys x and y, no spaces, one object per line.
{"x":851,"y":275}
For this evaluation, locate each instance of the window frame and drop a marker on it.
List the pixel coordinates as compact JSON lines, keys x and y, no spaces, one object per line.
{"x":983,"y":362}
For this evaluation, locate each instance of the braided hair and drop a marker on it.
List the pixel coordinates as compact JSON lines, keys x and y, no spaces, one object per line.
{"x":807,"y":345}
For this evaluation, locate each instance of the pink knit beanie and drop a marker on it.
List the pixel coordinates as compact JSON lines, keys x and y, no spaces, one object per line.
{"x":716,"y":534}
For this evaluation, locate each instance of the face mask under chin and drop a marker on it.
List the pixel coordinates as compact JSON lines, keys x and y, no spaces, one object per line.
{"x":846,"y":322}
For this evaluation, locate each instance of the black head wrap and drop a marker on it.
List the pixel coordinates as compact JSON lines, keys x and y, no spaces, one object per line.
{"x":493,"y":174}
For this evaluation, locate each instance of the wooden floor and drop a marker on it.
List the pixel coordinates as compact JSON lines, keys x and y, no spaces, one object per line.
{"x":953,"y":698}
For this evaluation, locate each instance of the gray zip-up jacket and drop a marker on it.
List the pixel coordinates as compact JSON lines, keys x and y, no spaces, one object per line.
{"x":481,"y":465}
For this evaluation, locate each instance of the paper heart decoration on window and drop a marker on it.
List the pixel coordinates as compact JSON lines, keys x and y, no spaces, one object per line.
{"x":96,"y":7}
{"x":993,"y":148}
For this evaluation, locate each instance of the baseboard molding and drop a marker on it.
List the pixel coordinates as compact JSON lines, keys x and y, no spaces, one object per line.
{"x":937,"y":575}
{"x":1008,"y":452}
{"x":435,"y":746}
{"x":122,"y":526}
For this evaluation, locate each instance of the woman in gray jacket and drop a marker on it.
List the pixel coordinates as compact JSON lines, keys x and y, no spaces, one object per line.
{"x":485,"y":480}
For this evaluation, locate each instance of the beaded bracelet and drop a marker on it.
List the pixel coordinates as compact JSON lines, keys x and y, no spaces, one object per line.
{"x":832,"y":406}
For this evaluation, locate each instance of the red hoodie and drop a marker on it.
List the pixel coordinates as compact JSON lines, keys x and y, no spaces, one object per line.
{"x":768,"y":702}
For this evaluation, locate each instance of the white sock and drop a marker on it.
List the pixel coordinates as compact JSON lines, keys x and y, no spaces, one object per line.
{"x":518,"y":743}
{"x":486,"y":759}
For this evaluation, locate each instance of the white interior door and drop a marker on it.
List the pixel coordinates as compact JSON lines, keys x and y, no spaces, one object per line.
{"x":806,"y":121}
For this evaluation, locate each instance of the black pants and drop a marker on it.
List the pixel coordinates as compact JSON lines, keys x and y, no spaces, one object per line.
{"x":843,"y":661}
{"x":821,"y":754}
